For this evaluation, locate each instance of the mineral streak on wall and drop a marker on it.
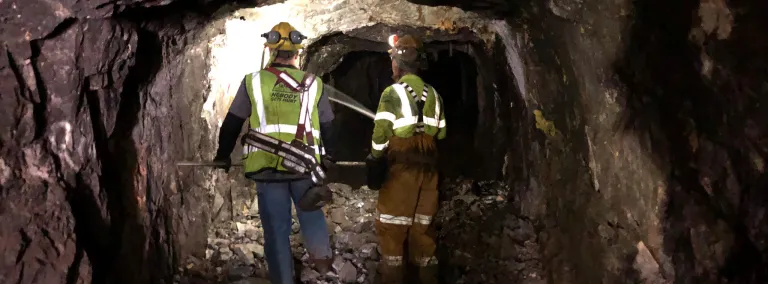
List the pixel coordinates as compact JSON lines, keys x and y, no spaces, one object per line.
{"x":238,"y":50}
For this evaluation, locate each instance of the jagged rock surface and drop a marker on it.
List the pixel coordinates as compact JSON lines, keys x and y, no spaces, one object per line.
{"x":636,"y":133}
{"x":95,"y":111}
{"x":235,"y":250}
{"x":632,"y":129}
{"x":480,"y":240}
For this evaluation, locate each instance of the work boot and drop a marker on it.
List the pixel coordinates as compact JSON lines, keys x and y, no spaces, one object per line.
{"x":323,"y":265}
{"x":391,"y":274}
{"x":428,"y":274}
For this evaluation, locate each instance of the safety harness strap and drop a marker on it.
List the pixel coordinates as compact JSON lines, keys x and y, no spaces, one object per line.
{"x":420,"y":102}
{"x":306,"y":110}
{"x":306,"y":106}
{"x":294,"y":158}
{"x":284,"y":78}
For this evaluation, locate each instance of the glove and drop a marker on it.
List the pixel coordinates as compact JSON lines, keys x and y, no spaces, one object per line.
{"x":227,"y":163}
{"x":327,"y":162}
{"x":377,"y":171}
{"x":315,"y":198}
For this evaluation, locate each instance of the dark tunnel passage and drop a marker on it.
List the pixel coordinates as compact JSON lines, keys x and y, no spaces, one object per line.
{"x":364,"y":75}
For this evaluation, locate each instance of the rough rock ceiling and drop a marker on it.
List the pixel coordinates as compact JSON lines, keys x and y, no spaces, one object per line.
{"x":323,"y":17}
{"x":238,"y":50}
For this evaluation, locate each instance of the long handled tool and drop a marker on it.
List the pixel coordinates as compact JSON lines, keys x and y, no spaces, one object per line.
{"x":347,"y":101}
{"x":334,"y":95}
{"x":214,"y":164}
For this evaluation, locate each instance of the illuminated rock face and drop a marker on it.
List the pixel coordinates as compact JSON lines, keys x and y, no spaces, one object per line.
{"x":239,"y":49}
{"x":101,"y":99}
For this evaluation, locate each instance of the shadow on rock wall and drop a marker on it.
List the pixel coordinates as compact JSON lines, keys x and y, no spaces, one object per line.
{"x":87,"y":193}
{"x":696,"y":91}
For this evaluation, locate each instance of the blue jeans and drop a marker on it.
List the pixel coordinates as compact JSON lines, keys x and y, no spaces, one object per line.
{"x":275,"y":210}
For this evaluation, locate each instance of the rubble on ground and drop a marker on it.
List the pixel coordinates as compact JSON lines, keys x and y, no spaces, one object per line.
{"x":481,"y":239}
{"x":468,"y":252}
{"x":235,"y":251}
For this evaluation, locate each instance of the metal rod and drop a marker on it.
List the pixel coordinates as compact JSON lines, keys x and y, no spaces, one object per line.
{"x":362,"y":111}
{"x":213,"y":164}
{"x":350,"y":163}
{"x":204,"y":164}
{"x":347,"y":101}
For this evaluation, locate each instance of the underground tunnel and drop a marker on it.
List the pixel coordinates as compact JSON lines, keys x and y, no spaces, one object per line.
{"x":364,"y":75}
{"x":588,"y":142}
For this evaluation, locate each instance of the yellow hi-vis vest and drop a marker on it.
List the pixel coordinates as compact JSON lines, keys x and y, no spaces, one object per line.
{"x":275,"y":112}
{"x":398,"y":113}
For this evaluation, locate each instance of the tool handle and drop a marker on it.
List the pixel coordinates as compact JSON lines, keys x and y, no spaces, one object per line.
{"x":350,"y":163}
{"x":214,"y":164}
{"x":204,"y":164}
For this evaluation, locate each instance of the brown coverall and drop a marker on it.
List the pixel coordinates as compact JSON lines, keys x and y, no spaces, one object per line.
{"x":407,"y":202}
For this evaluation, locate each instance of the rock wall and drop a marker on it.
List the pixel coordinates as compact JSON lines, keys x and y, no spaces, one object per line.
{"x":100,"y":100}
{"x":54,"y":145}
{"x":634,"y":137}
{"x":634,"y":144}
{"x":96,"y":101}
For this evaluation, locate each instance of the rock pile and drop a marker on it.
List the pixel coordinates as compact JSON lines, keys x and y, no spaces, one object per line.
{"x":479,"y":241}
{"x":235,"y":251}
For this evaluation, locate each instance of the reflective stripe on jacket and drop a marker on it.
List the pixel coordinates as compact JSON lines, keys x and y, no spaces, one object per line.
{"x":398,"y":114}
{"x":275,"y":112}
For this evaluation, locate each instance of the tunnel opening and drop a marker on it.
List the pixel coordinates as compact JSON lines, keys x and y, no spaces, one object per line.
{"x":364,"y":75}
{"x":454,"y":74}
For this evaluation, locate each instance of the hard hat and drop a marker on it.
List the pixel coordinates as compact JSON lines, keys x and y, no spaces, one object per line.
{"x":404,"y":42}
{"x":283,"y":36}
{"x":315,"y":198}
{"x":407,"y":50}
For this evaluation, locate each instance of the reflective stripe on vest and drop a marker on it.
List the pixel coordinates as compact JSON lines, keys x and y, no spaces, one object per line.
{"x":306,"y":108}
{"x":294,"y":157}
{"x":269,"y":120}
{"x":409,"y":118}
{"x":436,"y":122}
{"x":259,"y":100}
{"x":405,"y":108}
{"x":379,"y":147}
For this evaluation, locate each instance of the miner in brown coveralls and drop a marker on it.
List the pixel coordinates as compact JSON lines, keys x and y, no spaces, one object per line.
{"x":403,"y":165}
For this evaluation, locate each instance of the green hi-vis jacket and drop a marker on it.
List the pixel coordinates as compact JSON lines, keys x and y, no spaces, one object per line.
{"x":397,"y":113}
{"x":275,"y":112}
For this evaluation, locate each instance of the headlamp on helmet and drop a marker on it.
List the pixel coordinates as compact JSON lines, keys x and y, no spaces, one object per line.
{"x":407,"y":50}
{"x":283,"y":36}
{"x":392,"y":41}
{"x":274,"y":37}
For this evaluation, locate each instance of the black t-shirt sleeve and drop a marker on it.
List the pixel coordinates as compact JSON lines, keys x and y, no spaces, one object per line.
{"x":241,"y":105}
{"x":324,"y":110}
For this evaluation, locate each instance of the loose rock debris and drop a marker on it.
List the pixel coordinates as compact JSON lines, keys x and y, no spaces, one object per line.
{"x":235,"y":251}
{"x":481,"y":239}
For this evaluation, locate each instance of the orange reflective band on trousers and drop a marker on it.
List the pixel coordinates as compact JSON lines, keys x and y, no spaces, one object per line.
{"x":407,"y":203}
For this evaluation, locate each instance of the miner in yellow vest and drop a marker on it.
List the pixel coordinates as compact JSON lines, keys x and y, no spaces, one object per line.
{"x":402,"y":164}
{"x":287,"y":105}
